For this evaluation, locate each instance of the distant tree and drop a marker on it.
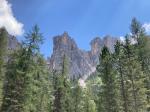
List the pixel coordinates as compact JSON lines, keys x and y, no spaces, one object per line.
{"x":136,"y":28}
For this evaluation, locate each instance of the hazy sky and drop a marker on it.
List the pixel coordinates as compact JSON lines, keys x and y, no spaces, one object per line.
{"x":82,"y":19}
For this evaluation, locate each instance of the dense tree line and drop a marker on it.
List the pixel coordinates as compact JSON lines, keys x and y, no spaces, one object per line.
{"x":121,"y":83}
{"x":125,"y":73}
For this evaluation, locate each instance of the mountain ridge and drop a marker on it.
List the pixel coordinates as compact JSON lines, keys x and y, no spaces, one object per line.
{"x":81,"y":63}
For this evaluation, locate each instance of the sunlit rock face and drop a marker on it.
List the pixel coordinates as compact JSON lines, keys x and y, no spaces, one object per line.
{"x":81,"y":63}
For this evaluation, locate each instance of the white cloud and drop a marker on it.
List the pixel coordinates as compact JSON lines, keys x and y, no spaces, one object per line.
{"x":8,"y":20}
{"x":122,"y":39}
{"x":132,"y":40}
{"x":147,"y":27}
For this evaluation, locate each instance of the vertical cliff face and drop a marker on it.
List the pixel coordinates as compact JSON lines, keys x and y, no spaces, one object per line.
{"x":109,"y":42}
{"x":81,"y":63}
{"x":65,"y":45}
{"x":12,"y":41}
{"x":96,"y":46}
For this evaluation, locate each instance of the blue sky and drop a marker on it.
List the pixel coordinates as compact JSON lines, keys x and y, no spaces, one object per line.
{"x":82,"y":19}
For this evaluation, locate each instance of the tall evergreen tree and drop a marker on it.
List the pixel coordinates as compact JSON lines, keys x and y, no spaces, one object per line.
{"x":88,"y":104}
{"x":62,"y":90}
{"x":135,"y":80}
{"x":77,"y":98}
{"x":19,"y":73}
{"x":143,"y":51}
{"x":57,"y":92}
{"x":119,"y":58}
{"x":39,"y":91}
{"x":108,"y":76}
{"x":3,"y":52}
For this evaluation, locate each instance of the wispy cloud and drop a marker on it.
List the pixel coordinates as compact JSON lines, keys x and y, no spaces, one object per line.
{"x":147,"y":27}
{"x":122,"y":39}
{"x":8,"y":20}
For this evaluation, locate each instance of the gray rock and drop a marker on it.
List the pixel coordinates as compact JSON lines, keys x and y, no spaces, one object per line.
{"x":13,"y":43}
{"x":81,"y":63}
{"x":12,"y":40}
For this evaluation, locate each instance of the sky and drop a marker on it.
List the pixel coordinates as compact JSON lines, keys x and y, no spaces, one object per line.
{"x":82,"y":19}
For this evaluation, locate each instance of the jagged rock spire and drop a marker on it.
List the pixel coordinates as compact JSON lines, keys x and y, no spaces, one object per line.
{"x":81,"y":63}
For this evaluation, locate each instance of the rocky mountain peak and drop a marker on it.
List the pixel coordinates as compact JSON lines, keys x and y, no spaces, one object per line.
{"x":63,"y":42}
{"x":81,"y":63}
{"x":96,"y":44}
{"x":109,"y":41}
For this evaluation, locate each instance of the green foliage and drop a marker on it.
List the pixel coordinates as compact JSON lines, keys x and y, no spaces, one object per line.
{"x":108,"y":76}
{"x":89,"y":103}
{"x":3,"y":46}
{"x":143,"y":53}
{"x":62,"y":89}
{"x":136,"y":27}
{"x":3,"y":52}
{"x":77,"y":98}
{"x":39,"y":96}
{"x":131,"y":78}
{"x":121,"y":83}
{"x":119,"y":60}
{"x":20,"y":68}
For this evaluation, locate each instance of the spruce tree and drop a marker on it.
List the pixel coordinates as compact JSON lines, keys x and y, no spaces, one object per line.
{"x":39,"y":91}
{"x":143,"y":52}
{"x":3,"y":52}
{"x":77,"y":98}
{"x":57,"y":92}
{"x":88,"y":104}
{"x":108,"y":76}
{"x":122,"y":78}
{"x":135,"y":79}
{"x":62,"y":89}
{"x":19,"y":73}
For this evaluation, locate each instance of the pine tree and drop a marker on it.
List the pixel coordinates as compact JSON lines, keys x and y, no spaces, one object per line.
{"x":66,"y":86}
{"x":122,"y":78}
{"x":77,"y":96}
{"x":143,"y":52}
{"x":39,"y":90}
{"x":88,"y":104}
{"x":19,"y":72}
{"x":62,"y":90}
{"x":108,"y":76}
{"x":3,"y":52}
{"x":136,"y":29}
{"x":57,"y":92}
{"x":94,"y":83}
{"x":135,"y":79}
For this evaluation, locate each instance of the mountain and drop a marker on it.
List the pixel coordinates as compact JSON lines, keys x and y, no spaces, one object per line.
{"x":81,"y":63}
{"x":12,"y":42}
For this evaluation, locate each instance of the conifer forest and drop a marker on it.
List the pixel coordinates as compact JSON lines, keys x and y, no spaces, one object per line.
{"x":120,"y":83}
